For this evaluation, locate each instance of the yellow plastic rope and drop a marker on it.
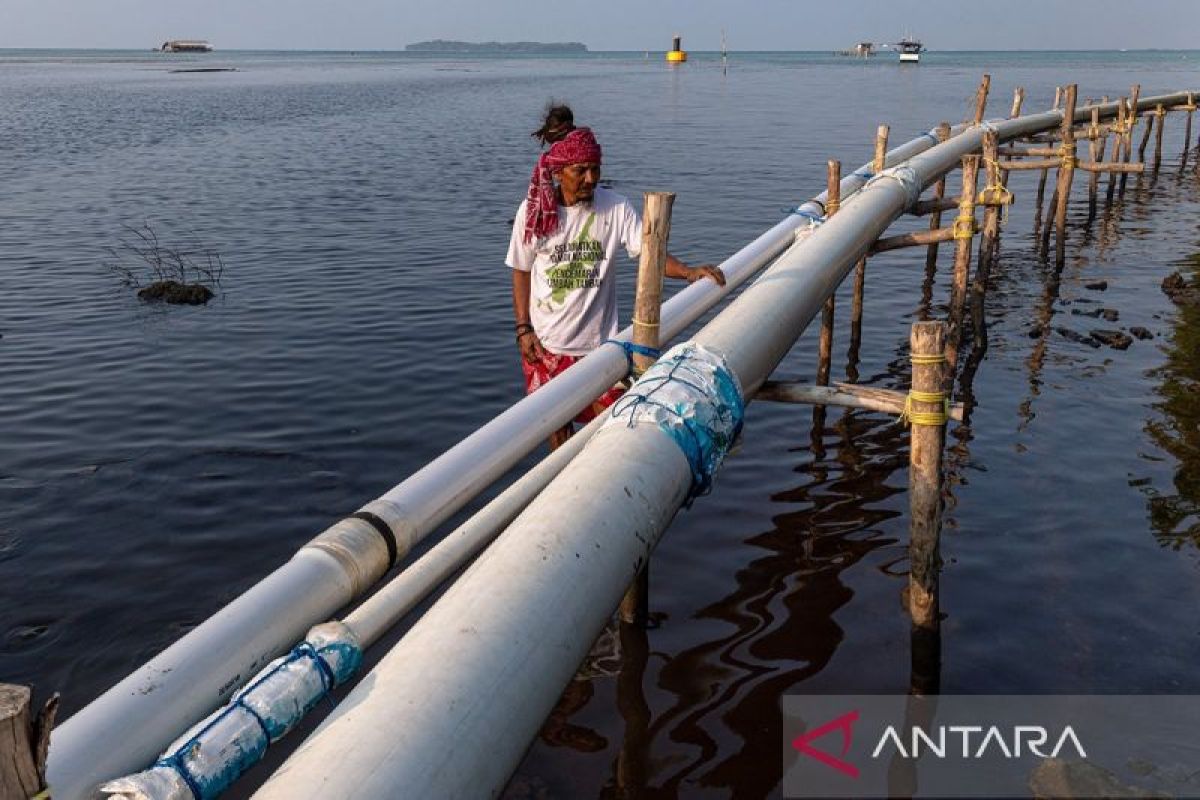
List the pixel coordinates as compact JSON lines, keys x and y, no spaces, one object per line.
{"x":964,"y":226}
{"x":996,"y":194}
{"x":928,"y":418}
{"x":637,"y":321}
{"x":1067,"y":151}
{"x":44,"y":794}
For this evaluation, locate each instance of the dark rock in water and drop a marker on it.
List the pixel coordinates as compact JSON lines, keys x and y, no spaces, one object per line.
{"x":1109,"y":314}
{"x":1117,"y":340}
{"x":1035,"y":332}
{"x":1057,"y":778}
{"x":1180,"y":292}
{"x":176,"y":293}
{"x":1067,"y":333}
{"x":1098,"y":286}
{"x":1141,"y":333}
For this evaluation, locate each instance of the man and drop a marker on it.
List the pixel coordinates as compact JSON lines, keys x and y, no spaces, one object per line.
{"x":564,"y":239}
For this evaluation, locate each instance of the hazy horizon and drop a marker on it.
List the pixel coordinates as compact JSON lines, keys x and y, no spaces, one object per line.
{"x":617,"y":25}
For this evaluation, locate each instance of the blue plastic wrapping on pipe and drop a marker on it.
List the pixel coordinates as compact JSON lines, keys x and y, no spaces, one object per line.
{"x":207,"y":759}
{"x":692,"y":396}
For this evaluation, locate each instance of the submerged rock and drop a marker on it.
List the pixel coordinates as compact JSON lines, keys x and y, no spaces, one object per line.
{"x":1141,"y":333}
{"x":1067,"y":333}
{"x":1096,"y":286}
{"x":1180,"y":291}
{"x":1118,"y":340}
{"x":176,"y":293}
{"x":1109,"y":314}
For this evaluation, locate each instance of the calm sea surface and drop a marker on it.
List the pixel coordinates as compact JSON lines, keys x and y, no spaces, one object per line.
{"x":156,"y":462}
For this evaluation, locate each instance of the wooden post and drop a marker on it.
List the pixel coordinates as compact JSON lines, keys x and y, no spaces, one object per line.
{"x":935,"y":218}
{"x":927,"y":415}
{"x":833,"y":200}
{"x":1146,"y":136}
{"x":647,"y":305}
{"x":1066,"y":175}
{"x":981,"y":97}
{"x":964,"y":224}
{"x":1118,"y":149}
{"x":1187,"y":128}
{"x":23,"y":742}
{"x":1160,"y":114}
{"x":994,"y":191}
{"x":1131,"y":118}
{"x":1018,"y":99}
{"x":1057,"y":97}
{"x":860,"y":271}
{"x":1096,"y":150}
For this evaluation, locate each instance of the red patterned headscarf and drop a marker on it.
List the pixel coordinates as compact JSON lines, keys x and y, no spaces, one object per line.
{"x":541,"y":207}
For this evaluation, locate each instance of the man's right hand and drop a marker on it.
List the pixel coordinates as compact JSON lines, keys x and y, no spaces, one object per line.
{"x":531,"y":347}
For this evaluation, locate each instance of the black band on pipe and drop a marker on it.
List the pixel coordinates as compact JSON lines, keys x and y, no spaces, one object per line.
{"x":381,"y":527}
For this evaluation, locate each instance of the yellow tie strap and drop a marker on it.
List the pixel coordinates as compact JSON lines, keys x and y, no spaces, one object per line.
{"x":964,"y":226}
{"x":928,"y":418}
{"x":919,"y":360}
{"x":637,"y":321}
{"x":996,"y":194}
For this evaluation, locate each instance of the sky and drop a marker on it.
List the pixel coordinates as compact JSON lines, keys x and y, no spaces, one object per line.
{"x":604,"y":24}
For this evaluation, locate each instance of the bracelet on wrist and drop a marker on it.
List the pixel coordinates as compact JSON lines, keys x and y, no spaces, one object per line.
{"x":523,"y":334}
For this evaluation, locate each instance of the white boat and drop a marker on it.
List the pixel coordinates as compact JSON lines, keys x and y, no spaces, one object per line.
{"x":910,"y":50}
{"x":186,"y":46}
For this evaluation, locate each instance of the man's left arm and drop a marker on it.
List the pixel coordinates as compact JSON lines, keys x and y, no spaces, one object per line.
{"x":678,"y":269}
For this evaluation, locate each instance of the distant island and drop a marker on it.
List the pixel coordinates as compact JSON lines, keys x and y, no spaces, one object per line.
{"x":449,"y":46}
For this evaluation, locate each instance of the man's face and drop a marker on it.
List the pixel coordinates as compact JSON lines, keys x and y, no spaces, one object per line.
{"x":578,"y":182}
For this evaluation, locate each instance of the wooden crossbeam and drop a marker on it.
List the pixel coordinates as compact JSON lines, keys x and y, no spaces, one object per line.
{"x":846,"y":395}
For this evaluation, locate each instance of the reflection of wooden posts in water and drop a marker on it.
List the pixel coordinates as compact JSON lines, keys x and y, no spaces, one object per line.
{"x":860,"y":270}
{"x":633,"y":760}
{"x":24,"y":741}
{"x":964,"y":225}
{"x":1096,"y":146}
{"x":1118,"y":149}
{"x":927,"y":416}
{"x":935,"y":222}
{"x":647,"y":305}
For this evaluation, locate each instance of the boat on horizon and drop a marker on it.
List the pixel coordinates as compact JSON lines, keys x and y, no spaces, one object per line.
{"x":910,"y":50}
{"x":186,"y":46}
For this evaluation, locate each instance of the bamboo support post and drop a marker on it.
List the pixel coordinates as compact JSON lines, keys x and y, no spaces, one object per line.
{"x":1117,"y":150}
{"x":860,"y":270}
{"x":1018,"y":99}
{"x":995,"y":196}
{"x":647,"y":306}
{"x":1096,"y":151}
{"x":964,"y":226}
{"x":1160,"y":114}
{"x":833,"y":200}
{"x":1190,"y":108}
{"x":1066,"y":174}
{"x":1131,"y":119}
{"x":981,"y":96}
{"x":1057,"y":97}
{"x":927,"y":415}
{"x":24,"y":741}
{"x":1141,"y":153}
{"x":935,"y":221}
{"x":846,"y":395}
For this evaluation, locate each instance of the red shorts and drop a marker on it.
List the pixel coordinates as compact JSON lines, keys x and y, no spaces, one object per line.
{"x":537,"y":374}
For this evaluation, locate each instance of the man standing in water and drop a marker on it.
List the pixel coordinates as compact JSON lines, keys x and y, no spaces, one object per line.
{"x":564,"y":238}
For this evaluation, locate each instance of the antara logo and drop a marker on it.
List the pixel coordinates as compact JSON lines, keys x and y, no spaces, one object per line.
{"x":991,"y":739}
{"x":845,"y":724}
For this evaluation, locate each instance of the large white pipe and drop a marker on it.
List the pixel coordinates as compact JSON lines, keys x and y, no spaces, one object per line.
{"x":450,"y":710}
{"x":146,"y":710}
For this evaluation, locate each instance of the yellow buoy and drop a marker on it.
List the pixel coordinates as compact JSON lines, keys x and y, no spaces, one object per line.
{"x":676,"y":55}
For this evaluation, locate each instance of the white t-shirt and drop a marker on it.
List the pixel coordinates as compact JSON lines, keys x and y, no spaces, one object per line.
{"x":573,"y":298}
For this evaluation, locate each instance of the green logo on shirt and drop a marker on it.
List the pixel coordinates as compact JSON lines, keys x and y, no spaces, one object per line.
{"x":575,"y":265}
